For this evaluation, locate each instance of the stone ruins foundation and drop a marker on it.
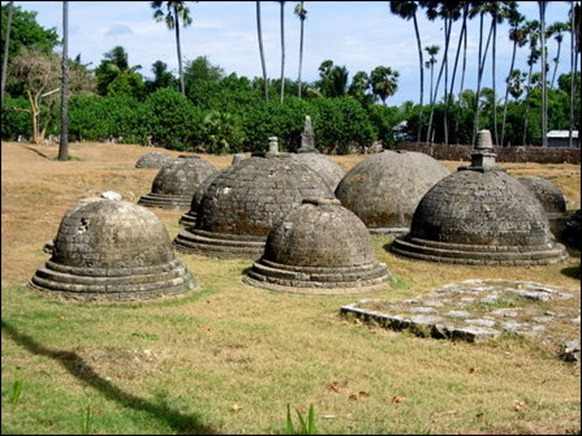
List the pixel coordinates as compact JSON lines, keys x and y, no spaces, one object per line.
{"x":320,"y":247}
{"x":155,"y":159}
{"x":383,"y":190}
{"x":176,"y":183}
{"x":112,"y":250}
{"x":330,"y":171}
{"x":480,"y":215}
{"x":241,"y":205}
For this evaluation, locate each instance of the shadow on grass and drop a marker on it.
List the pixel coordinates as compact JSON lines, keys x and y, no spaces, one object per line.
{"x":181,"y":423}
{"x":572,"y":271}
{"x":40,"y":153}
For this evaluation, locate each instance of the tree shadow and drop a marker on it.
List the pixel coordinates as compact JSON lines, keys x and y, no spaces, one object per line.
{"x":572,"y":271}
{"x":40,"y":153}
{"x":72,"y":362}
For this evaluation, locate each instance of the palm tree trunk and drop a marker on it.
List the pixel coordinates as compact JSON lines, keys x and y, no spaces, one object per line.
{"x":64,"y":139}
{"x":456,"y":64}
{"x":421,"y":64}
{"x":556,"y":64}
{"x":506,"y":99}
{"x":480,"y":78}
{"x":179,"y":50}
{"x":542,"y":9}
{"x":262,"y":51}
{"x":463,"y":72}
{"x":300,"y":55}
{"x":527,"y":104}
{"x":7,"y":46}
{"x":282,"y":19}
{"x":573,"y":68}
{"x":493,"y":83}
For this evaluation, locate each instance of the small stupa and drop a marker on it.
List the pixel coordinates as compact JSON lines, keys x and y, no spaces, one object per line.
{"x":480,"y":215}
{"x":320,"y":247}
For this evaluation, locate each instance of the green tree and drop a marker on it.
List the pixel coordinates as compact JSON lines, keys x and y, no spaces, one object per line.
{"x":384,"y":82}
{"x":360,"y":87}
{"x":432,"y":51}
{"x":115,"y":68}
{"x":162,"y":78}
{"x":6,"y":46}
{"x":556,"y":30}
{"x":333,"y":79}
{"x":176,"y":11}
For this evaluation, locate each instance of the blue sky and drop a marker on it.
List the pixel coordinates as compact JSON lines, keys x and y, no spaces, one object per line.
{"x":358,"y":35}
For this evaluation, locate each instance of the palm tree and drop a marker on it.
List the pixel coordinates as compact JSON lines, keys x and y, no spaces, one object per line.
{"x":176,"y":11}
{"x":574,"y":49}
{"x":282,"y":22}
{"x":557,"y":30}
{"x":262,"y":51}
{"x":7,"y":45}
{"x":301,"y":12}
{"x":384,"y":82}
{"x":432,"y":51}
{"x":64,"y":139}
{"x":407,"y":10}
{"x":518,"y":37}
{"x":532,"y":29}
{"x":542,"y":9}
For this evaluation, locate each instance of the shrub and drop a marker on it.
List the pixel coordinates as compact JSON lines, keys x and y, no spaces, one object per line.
{"x":16,"y":118}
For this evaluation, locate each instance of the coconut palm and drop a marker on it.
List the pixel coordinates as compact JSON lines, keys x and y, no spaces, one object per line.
{"x":518,"y":37}
{"x":301,"y":13}
{"x":542,"y":5}
{"x":532,"y":29}
{"x":407,"y":10}
{"x":384,"y":81}
{"x":282,"y":24}
{"x":574,"y":49}
{"x":64,"y":137}
{"x":175,"y":12}
{"x":556,"y":30}
{"x":7,"y":45}
{"x":432,"y":51}
{"x":262,"y":51}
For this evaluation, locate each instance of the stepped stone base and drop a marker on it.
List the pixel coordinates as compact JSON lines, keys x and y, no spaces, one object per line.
{"x":173,"y":202}
{"x":114,"y":284}
{"x":220,"y":245}
{"x":423,"y":249}
{"x":188,"y":219}
{"x":318,"y":280}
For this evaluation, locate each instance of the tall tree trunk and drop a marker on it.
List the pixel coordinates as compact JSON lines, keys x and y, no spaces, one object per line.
{"x":573,"y":68}
{"x":456,"y":64}
{"x":506,"y":98}
{"x":300,"y":54}
{"x":421,"y":61}
{"x":556,"y":64}
{"x":282,"y":19}
{"x":480,"y":78}
{"x":463,"y":72}
{"x":179,"y":50}
{"x":493,"y":83}
{"x":64,"y":139}
{"x":7,"y":46}
{"x":262,"y":51}
{"x":542,"y":7}
{"x":527,"y":104}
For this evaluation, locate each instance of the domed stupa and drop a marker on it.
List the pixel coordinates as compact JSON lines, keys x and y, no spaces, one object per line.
{"x":241,"y":205}
{"x":319,"y":247}
{"x":480,"y":215}
{"x":552,"y":200}
{"x":112,"y":250}
{"x":155,"y":159}
{"x":189,"y":218}
{"x":383,"y":190}
{"x":176,"y":183}
{"x":331,"y":172}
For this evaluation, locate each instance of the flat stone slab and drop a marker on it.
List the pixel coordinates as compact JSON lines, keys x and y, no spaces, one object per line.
{"x":481,"y":310}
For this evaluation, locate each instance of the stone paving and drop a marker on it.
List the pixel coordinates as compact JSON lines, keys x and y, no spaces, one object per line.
{"x":481,"y":310}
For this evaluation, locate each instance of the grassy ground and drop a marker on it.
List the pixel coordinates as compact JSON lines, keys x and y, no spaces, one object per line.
{"x":229,"y":358}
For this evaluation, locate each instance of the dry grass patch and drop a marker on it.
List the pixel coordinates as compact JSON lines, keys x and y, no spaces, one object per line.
{"x":229,"y":357}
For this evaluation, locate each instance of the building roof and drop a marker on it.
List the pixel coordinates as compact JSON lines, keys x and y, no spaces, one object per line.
{"x":562,"y":134}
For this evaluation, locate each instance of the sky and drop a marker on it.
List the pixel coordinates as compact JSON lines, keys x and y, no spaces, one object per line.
{"x":359,"y":35}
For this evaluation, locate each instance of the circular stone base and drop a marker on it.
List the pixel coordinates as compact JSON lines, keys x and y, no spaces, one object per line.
{"x":165,"y":201}
{"x":318,"y":280}
{"x":188,"y":219}
{"x":221,"y":245}
{"x":114,"y":284}
{"x":391,"y":232}
{"x":423,"y":249}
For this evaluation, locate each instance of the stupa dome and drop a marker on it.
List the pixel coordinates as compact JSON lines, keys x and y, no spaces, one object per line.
{"x":112,"y":250}
{"x":319,"y":247}
{"x":155,"y":159}
{"x":480,"y":215}
{"x":331,"y":172}
{"x":176,"y":183}
{"x":384,"y":189}
{"x":240,"y":206}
